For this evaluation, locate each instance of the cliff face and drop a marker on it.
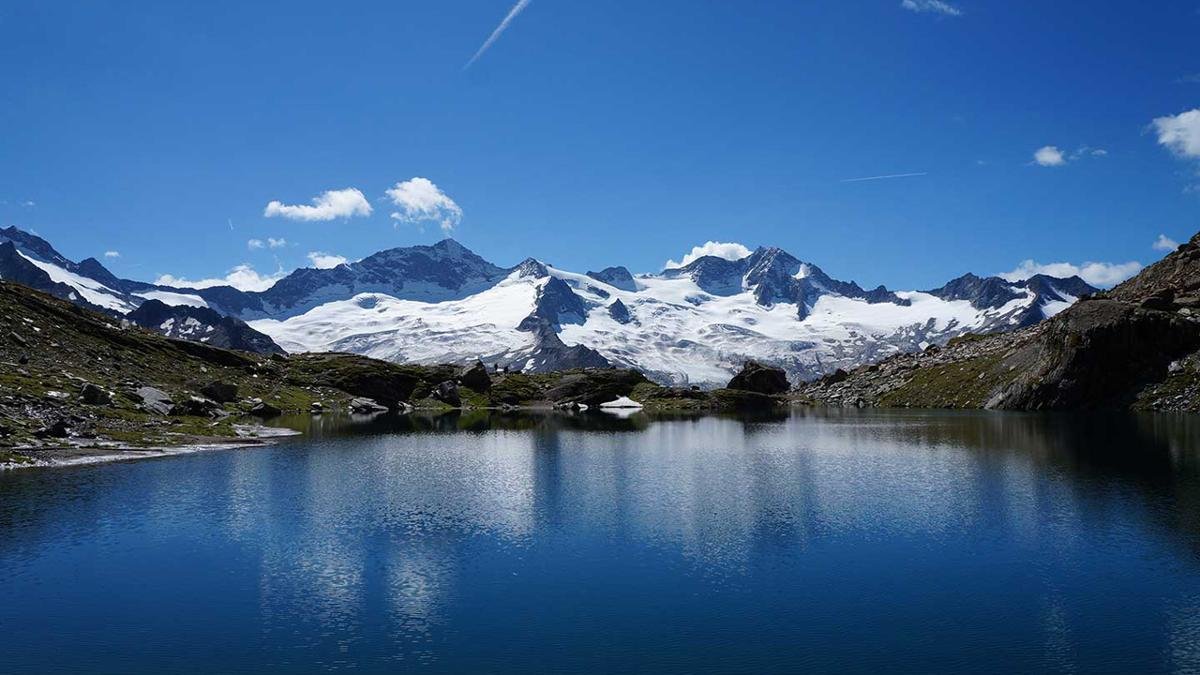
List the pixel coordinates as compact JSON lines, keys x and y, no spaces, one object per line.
{"x":1136,"y":346}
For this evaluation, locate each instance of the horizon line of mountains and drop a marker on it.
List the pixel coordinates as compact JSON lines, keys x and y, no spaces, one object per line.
{"x":689,"y":324}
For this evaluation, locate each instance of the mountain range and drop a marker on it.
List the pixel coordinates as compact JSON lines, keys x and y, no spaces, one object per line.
{"x":694,"y":324}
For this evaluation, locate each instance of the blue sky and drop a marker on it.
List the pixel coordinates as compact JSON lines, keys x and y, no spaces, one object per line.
{"x":592,"y":134}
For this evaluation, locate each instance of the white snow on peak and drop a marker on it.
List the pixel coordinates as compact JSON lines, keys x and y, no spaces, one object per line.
{"x":91,"y":290}
{"x":677,"y":332}
{"x":174,"y":299}
{"x":379,"y":325}
{"x":1052,"y":307}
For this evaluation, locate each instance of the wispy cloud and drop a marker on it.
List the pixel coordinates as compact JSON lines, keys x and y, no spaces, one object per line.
{"x":1180,"y":133}
{"x":112,"y":254}
{"x":1101,"y":274}
{"x":420,"y":200}
{"x":487,"y":44}
{"x":1052,"y":155}
{"x":1164,"y":243}
{"x":932,"y":7}
{"x":328,"y":205}
{"x":891,"y":175}
{"x":729,"y":250}
{"x":271,"y":242}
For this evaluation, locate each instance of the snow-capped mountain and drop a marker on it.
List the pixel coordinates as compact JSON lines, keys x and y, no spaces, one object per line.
{"x":692,"y":324}
{"x":30,"y":260}
{"x":201,"y":324}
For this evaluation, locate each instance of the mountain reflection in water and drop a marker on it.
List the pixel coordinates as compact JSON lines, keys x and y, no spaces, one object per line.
{"x":828,"y":540}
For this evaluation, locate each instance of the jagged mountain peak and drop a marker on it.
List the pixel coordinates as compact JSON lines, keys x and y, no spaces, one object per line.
{"x":34,"y":245}
{"x":617,"y":277}
{"x":531,"y":267}
{"x":994,"y":292}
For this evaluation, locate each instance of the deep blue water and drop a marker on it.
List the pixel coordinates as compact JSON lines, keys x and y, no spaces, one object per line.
{"x":857,"y":541}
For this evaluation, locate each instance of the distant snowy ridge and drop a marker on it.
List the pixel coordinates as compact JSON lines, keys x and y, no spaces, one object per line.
{"x":693,"y":324}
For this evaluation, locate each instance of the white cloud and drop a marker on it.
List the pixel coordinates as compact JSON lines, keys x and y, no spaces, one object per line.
{"x":419,"y":200}
{"x":727,"y":250}
{"x":324,"y":261}
{"x":243,"y":277}
{"x":112,"y":254}
{"x":933,"y":6}
{"x":1164,"y":243}
{"x":29,"y":204}
{"x":1099,"y":274}
{"x":1049,"y":155}
{"x":508,"y":18}
{"x":271,"y":242}
{"x":329,"y":205}
{"x":1180,"y":133}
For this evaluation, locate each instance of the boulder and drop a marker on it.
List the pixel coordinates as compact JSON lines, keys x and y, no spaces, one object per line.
{"x":447,"y":392}
{"x":93,"y":395}
{"x":761,"y":379}
{"x":594,"y":386}
{"x":221,"y":392}
{"x":836,"y":376}
{"x":197,"y":406}
{"x":366,"y":406}
{"x":155,"y":401}
{"x":1163,"y":300}
{"x":476,"y":378}
{"x":265,"y":410}
{"x":60,"y":428}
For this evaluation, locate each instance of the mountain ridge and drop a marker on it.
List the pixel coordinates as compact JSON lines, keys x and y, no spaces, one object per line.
{"x":692,"y":324}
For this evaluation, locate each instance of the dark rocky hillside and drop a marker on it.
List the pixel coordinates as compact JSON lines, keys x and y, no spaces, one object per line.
{"x":201,"y":324}
{"x":1136,"y":346}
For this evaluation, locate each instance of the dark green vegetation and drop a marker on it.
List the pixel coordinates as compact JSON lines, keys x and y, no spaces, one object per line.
{"x":70,"y":377}
{"x":1136,"y":346}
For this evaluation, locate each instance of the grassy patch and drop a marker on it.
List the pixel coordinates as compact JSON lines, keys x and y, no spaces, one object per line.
{"x":964,"y":384}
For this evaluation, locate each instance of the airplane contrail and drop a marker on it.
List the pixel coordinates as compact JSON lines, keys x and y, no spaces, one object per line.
{"x":512,"y":14}
{"x":894,"y":175}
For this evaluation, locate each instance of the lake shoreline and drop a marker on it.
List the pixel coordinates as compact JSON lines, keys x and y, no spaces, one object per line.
{"x":16,"y":459}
